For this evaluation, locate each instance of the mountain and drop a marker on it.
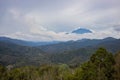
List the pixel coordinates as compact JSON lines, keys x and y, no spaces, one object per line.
{"x":26,"y":43}
{"x":77,"y":52}
{"x":18,"y":55}
{"x":70,"y":52}
{"x":81,"y":31}
{"x":111,"y":44}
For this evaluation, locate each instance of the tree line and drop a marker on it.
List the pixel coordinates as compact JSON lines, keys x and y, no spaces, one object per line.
{"x":102,"y":65}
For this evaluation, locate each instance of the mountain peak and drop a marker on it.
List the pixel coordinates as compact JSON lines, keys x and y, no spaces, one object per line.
{"x":109,"y":38}
{"x":81,"y":31}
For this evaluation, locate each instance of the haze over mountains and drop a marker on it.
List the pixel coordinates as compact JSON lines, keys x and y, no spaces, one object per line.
{"x":17,"y":52}
{"x":26,"y":43}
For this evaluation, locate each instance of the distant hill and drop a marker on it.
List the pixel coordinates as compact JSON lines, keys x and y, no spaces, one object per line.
{"x":11,"y":53}
{"x":77,"y":52}
{"x":70,"y":52}
{"x":81,"y":31}
{"x":26,"y":43}
{"x":110,"y":43}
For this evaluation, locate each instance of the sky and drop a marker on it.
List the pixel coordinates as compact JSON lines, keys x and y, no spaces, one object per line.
{"x":50,"y":20}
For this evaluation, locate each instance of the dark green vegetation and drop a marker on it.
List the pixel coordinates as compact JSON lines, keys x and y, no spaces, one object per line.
{"x":72,"y":60}
{"x":111,"y":44}
{"x":19,"y":55}
{"x":102,"y":65}
{"x":73,"y":53}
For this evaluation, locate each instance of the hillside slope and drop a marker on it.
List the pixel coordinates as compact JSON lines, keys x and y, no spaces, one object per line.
{"x":111,"y":44}
{"x":71,"y":52}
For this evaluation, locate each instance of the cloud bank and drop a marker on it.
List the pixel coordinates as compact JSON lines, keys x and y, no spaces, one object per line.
{"x":49,"y":20}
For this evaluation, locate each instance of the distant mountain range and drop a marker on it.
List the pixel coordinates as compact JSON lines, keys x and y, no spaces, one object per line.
{"x":16,"y":52}
{"x":26,"y":43}
{"x":81,"y":31}
{"x":110,"y":43}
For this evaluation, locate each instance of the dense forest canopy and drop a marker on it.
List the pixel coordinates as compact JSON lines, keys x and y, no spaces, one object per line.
{"x":102,"y":65}
{"x":13,"y":52}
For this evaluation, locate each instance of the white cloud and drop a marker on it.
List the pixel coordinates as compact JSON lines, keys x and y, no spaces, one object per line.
{"x":99,"y":16}
{"x":117,"y":27}
{"x":15,"y":13}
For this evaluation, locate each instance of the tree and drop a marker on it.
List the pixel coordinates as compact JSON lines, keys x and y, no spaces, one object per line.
{"x":117,"y":66}
{"x":3,"y":73}
{"x":104,"y":62}
{"x":99,"y":67}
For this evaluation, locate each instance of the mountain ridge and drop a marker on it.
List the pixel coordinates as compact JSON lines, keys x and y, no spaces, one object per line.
{"x":61,"y":47}
{"x":26,"y":43}
{"x":81,"y":31}
{"x":70,"y":52}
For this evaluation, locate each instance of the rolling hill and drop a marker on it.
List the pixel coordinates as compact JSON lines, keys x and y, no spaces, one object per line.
{"x":26,"y":43}
{"x":11,"y":53}
{"x":112,"y":44}
{"x":70,"y":52}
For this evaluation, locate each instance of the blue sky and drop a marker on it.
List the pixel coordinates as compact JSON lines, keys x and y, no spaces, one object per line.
{"x":48,"y":20}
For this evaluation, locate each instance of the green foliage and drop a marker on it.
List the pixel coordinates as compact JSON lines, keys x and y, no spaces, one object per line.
{"x":101,"y":66}
{"x":86,"y":72}
{"x":70,"y":52}
{"x":2,"y":73}
{"x":117,"y":66}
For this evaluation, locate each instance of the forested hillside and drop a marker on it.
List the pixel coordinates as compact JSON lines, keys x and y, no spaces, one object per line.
{"x":109,"y":43}
{"x":13,"y":54}
{"x":102,"y":65}
{"x":70,"y":52}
